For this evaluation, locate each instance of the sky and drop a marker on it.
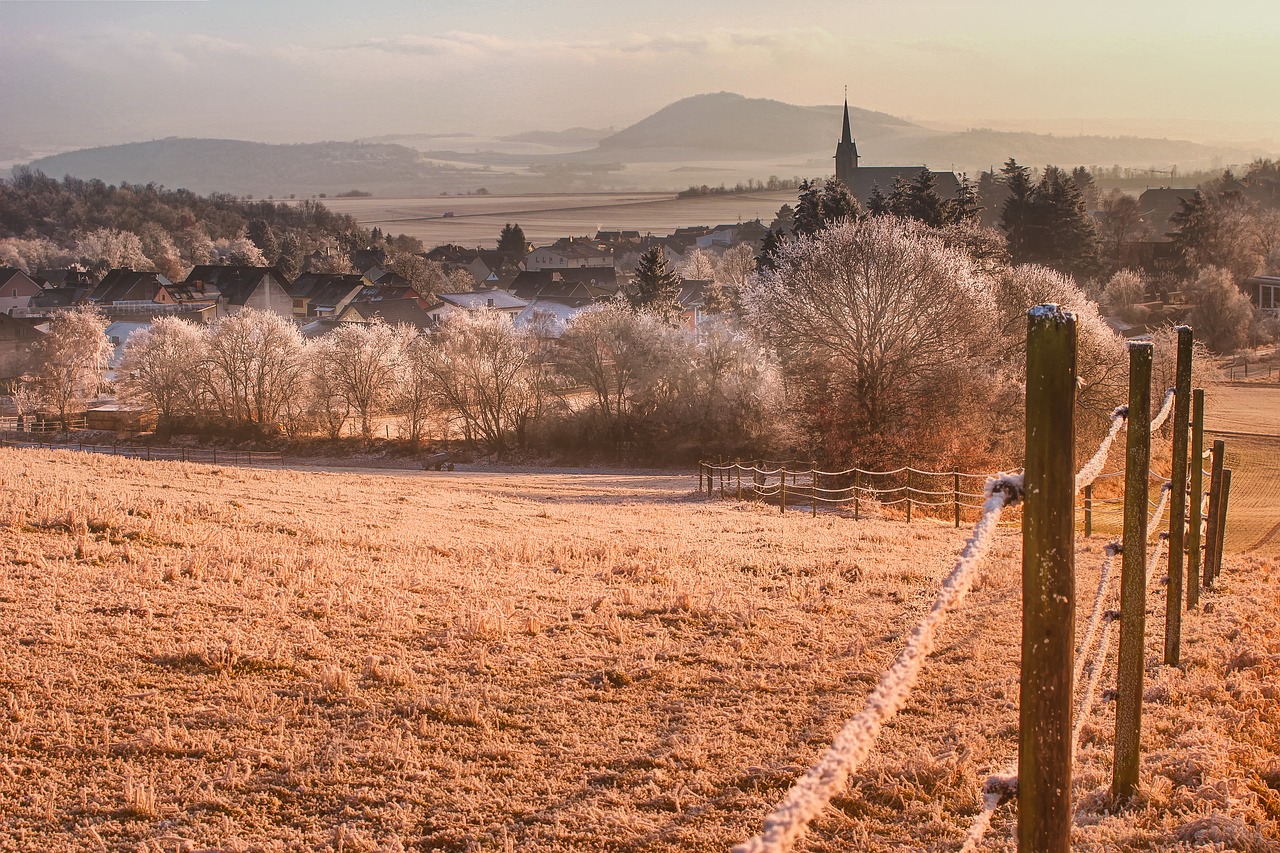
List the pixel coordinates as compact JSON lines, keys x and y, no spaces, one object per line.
{"x":77,"y":73}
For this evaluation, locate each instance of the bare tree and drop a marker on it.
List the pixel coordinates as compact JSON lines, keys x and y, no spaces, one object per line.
{"x":617,"y":353}
{"x":414,"y":387}
{"x":69,"y":361}
{"x":881,"y":329}
{"x":1222,"y":313}
{"x":698,"y":265}
{"x":362,"y":362}
{"x":161,"y":367}
{"x":1120,"y":221}
{"x":479,"y":366}
{"x":254,"y":367}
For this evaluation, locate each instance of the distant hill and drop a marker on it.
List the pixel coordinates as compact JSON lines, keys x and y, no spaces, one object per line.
{"x":233,"y":166}
{"x":725,"y":122}
{"x":574,"y":136}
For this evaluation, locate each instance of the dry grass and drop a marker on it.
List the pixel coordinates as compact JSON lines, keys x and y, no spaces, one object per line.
{"x":195,"y":657}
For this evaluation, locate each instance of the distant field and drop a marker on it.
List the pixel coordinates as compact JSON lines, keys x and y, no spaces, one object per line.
{"x":196,"y":657}
{"x":477,"y":220}
{"x":1253,"y":512}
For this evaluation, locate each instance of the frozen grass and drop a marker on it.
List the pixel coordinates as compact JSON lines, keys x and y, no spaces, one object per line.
{"x":196,"y":658}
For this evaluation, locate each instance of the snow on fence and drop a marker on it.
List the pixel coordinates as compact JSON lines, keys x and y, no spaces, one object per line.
{"x":1052,"y":668}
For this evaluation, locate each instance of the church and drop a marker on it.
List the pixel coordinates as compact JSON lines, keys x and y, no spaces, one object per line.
{"x":862,"y":179}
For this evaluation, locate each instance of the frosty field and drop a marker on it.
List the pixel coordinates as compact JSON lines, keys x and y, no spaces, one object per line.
{"x":201,"y":658}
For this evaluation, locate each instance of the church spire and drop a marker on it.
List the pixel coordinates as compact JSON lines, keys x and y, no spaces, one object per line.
{"x":846,"y":150}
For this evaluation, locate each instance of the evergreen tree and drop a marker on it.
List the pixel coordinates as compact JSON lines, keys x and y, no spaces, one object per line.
{"x":1016,"y":215}
{"x":965,"y":207}
{"x":259,"y":231}
{"x":512,"y":239}
{"x":878,"y":202}
{"x":769,"y":248}
{"x":656,"y":288}
{"x":820,"y":206}
{"x":919,"y":200}
{"x":785,"y":219}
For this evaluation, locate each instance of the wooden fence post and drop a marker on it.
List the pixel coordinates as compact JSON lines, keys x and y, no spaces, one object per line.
{"x":1194,"y":563}
{"x":1048,"y":584}
{"x":782,"y":490}
{"x":1221,"y":539}
{"x":1088,"y":510}
{"x":856,"y":500}
{"x":813,"y":482}
{"x":1133,"y":578}
{"x":1215,"y":500}
{"x":955,"y":490}
{"x":1178,"y":500}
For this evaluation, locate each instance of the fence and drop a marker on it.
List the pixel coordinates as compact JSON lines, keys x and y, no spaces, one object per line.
{"x":40,"y":424}
{"x":161,"y":454}
{"x":1052,"y":715}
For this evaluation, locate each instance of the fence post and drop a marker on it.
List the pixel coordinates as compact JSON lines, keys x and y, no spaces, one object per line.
{"x":907,"y":492}
{"x":701,"y":466}
{"x":738,"y":466}
{"x":782,"y":490}
{"x":1196,"y":462}
{"x":1088,"y":510}
{"x":813,"y":481}
{"x":1222,"y":522}
{"x":1178,"y":500}
{"x":1215,"y":500}
{"x":1133,"y":577}
{"x":857,"y":503}
{"x":1048,"y":584}
{"x":955,"y":490}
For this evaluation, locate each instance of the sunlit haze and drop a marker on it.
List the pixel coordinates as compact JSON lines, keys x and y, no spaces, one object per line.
{"x":91,"y":73}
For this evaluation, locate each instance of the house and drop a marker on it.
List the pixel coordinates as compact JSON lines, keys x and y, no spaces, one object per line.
{"x":317,"y":294}
{"x":65,"y":277}
{"x":587,"y":283}
{"x":1159,"y":204}
{"x":693,"y":299}
{"x":1264,"y":293}
{"x":237,"y":287}
{"x":396,"y":312}
{"x":118,"y":332}
{"x":478,"y":300}
{"x":126,"y":285}
{"x":16,"y":289}
{"x":53,"y":299}
{"x":568,"y":253}
{"x":17,"y":338}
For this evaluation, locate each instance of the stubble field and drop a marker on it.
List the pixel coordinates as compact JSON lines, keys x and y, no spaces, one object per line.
{"x":200,"y":658}
{"x":477,"y":220}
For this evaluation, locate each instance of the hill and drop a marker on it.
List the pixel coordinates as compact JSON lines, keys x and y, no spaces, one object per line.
{"x":234,"y":166}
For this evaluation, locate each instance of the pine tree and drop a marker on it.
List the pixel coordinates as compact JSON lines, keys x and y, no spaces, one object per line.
{"x":965,"y":207}
{"x":919,"y":200}
{"x":878,"y":202}
{"x":656,"y":288}
{"x":769,"y":248}
{"x":259,"y":231}
{"x":820,"y":206}
{"x":512,"y":239}
{"x":1016,"y":215}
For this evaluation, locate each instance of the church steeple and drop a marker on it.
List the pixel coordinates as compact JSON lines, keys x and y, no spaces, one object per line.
{"x":846,"y":151}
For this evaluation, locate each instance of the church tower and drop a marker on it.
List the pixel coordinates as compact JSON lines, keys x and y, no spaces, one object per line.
{"x":846,"y":152}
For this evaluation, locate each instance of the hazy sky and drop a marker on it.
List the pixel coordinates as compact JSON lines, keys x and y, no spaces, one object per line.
{"x":90,"y":72}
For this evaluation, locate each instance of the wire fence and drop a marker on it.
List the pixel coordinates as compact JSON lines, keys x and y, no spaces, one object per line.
{"x":789,"y":483}
{"x":212,"y":456}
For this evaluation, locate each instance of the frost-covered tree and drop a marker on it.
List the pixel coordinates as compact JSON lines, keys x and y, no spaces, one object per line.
{"x":254,"y":366}
{"x":362,"y":364}
{"x":1221,"y":314}
{"x":479,"y":365}
{"x":110,"y":248}
{"x":31,"y":254}
{"x":698,"y":265}
{"x":876,"y":358}
{"x":161,"y":369}
{"x":69,"y":361}
{"x":238,"y":251}
{"x":619,"y":355}
{"x":1124,"y":294}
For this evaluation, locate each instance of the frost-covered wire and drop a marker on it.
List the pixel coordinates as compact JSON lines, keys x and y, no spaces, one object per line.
{"x":1099,"y":607}
{"x":812,"y":791}
{"x":1093,"y":467}
{"x":1165,"y":408}
{"x":1154,"y":524}
{"x":998,"y":789}
{"x":1091,"y":689}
